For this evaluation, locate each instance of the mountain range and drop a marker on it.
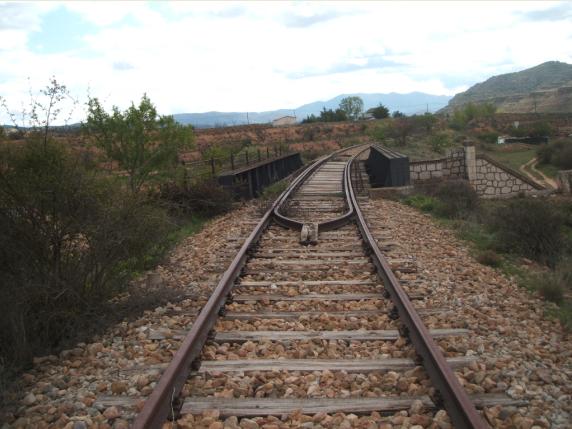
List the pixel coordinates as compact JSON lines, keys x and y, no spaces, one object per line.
{"x":414,"y":102}
{"x":545,"y":88}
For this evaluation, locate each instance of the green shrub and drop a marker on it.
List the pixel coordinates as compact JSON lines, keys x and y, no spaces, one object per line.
{"x":69,"y":241}
{"x":540,"y":129}
{"x":563,"y":159}
{"x":204,"y":198}
{"x":550,"y":286}
{"x":379,"y":132}
{"x":458,"y":199}
{"x":440,"y":142}
{"x":488,"y":137}
{"x":557,"y":153}
{"x":564,"y":313}
{"x":530,"y":228}
{"x":272,"y":192}
{"x":422,"y":202}
{"x":544,"y":153}
{"x":490,"y":258}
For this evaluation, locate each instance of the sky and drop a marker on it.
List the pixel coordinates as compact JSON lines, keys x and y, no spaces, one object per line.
{"x":257,"y":56}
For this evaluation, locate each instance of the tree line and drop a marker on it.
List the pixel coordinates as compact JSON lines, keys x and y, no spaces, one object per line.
{"x":350,"y":109}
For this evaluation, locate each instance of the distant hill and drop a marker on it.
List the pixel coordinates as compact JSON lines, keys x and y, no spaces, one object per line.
{"x":544,"y":88}
{"x":414,"y":102}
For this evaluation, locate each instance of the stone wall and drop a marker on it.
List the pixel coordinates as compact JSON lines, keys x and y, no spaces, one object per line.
{"x":450,"y":167}
{"x":494,"y":180}
{"x":489,"y":178}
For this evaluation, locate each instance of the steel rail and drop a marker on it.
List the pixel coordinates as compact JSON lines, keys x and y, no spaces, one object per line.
{"x":163,"y":401}
{"x":455,"y":400}
{"x":328,"y":225}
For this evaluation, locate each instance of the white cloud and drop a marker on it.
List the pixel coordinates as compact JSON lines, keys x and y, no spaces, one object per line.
{"x":194,"y":57}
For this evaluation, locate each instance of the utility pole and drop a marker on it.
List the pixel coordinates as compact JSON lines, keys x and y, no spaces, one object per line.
{"x":247,"y":120}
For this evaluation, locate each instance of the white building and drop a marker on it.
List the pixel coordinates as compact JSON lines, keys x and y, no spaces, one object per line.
{"x":284,"y":120}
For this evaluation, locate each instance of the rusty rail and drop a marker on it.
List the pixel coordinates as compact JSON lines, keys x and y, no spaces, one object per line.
{"x":454,"y":398}
{"x":322,"y":226}
{"x":163,"y":401}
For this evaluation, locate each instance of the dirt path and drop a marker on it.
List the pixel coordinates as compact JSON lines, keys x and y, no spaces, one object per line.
{"x":546,"y":181}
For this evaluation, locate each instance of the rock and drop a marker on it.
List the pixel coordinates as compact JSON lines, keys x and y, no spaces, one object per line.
{"x":216,"y":425}
{"x":121,"y":424}
{"x":95,"y":348}
{"x":544,"y":375}
{"x":79,"y":425}
{"x":248,"y":424}
{"x":28,"y":378}
{"x":441,"y":416}
{"x":507,"y":412}
{"x":142,"y":381}
{"x":420,"y":420}
{"x":231,"y":423}
{"x":118,"y":387}
{"x":417,"y":407}
{"x":29,"y":399}
{"x":111,"y":413}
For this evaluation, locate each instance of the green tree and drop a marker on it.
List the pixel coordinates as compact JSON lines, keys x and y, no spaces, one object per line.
{"x":397,"y":114}
{"x":379,"y":112}
{"x":458,"y":120}
{"x":540,"y":129}
{"x":428,"y":121}
{"x":327,"y":115}
{"x":138,"y":139}
{"x":439,"y":142}
{"x":352,"y":106}
{"x":399,"y":129}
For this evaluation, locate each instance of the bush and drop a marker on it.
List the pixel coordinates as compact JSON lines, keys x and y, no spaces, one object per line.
{"x":422,"y":202}
{"x":540,"y":129}
{"x":488,"y":137}
{"x":440,"y":142}
{"x":204,"y":198}
{"x":529,"y":228}
{"x":458,"y":199}
{"x":490,"y":258}
{"x":563,"y":160}
{"x":550,"y":286}
{"x":379,"y":132}
{"x":69,"y":241}
{"x":558,"y":153}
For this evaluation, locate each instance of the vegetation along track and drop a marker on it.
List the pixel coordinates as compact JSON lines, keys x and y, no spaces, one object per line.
{"x":317,"y":328}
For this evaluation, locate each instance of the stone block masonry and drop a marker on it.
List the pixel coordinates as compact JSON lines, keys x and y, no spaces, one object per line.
{"x":489,"y":178}
{"x":495,"y":180}
{"x":450,"y":167}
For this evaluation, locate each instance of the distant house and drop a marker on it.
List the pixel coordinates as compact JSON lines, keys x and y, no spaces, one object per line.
{"x":284,"y":120}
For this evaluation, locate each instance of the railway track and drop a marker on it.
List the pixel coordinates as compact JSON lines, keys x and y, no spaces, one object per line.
{"x":310,"y":318}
